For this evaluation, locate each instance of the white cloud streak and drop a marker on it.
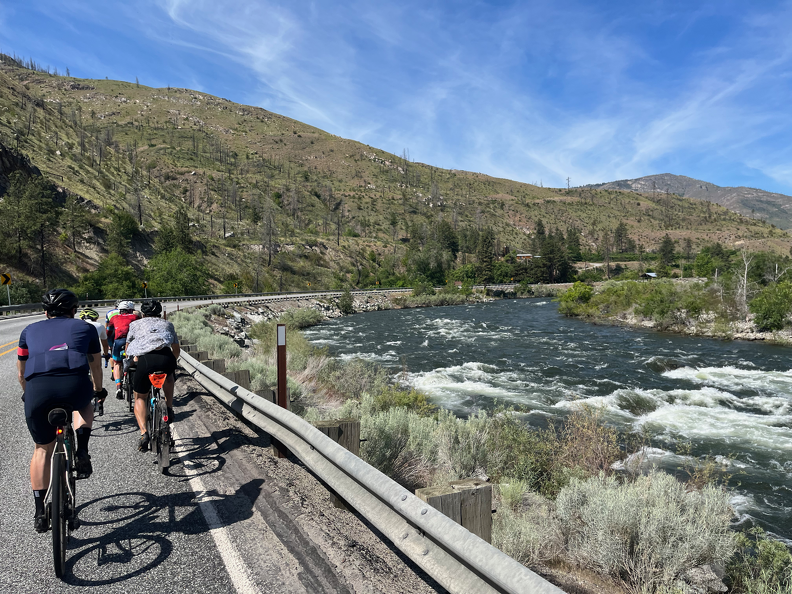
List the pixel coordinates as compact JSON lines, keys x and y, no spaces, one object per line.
{"x":542,"y":90}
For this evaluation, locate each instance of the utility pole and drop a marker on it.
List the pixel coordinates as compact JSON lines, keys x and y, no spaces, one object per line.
{"x":567,"y":183}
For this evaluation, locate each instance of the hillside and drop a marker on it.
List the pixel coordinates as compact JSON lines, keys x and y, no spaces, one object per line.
{"x":769,"y":206}
{"x":276,"y":204}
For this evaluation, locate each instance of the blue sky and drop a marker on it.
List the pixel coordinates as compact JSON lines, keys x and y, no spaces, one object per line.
{"x":533,"y":91}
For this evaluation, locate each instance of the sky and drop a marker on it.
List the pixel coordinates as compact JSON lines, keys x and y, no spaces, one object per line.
{"x":536,"y":91}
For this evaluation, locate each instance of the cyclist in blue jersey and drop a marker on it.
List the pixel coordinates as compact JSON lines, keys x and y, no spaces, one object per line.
{"x":54,"y":357}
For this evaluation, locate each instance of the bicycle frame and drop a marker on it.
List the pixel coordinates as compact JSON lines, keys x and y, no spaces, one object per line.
{"x":61,"y":433}
{"x":62,"y":504}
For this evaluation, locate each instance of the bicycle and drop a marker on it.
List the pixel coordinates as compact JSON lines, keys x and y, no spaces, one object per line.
{"x":158,"y":421}
{"x":62,"y":510}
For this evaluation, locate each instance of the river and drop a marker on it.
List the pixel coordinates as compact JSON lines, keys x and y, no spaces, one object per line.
{"x":730,"y":400}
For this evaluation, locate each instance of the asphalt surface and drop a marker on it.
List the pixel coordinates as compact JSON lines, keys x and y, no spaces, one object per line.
{"x":227,"y":517}
{"x":141,"y":530}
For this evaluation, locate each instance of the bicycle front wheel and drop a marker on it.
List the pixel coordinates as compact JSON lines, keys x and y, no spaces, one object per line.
{"x":60,"y":531}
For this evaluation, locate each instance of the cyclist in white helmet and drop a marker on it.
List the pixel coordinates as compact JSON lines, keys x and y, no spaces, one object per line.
{"x":117,"y":329}
{"x":110,"y":314}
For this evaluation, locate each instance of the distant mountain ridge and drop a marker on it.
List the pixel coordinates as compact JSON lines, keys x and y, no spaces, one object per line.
{"x":772,"y":207}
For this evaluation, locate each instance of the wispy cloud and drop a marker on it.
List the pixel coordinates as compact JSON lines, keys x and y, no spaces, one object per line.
{"x":545,"y":90}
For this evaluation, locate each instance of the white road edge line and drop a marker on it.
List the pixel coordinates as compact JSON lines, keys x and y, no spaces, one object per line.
{"x":237,"y":570}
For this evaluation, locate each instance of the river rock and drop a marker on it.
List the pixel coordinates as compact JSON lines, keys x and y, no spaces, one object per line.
{"x":703,"y":580}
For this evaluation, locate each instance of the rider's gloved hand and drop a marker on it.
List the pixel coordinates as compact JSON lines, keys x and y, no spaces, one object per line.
{"x":100,"y":394}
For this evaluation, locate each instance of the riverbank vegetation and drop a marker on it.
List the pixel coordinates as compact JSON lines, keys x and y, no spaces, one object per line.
{"x":735,"y":294}
{"x":560,"y":502}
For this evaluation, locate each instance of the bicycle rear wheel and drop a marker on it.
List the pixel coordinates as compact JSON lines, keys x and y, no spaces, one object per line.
{"x":129,"y":392}
{"x":163,"y":436}
{"x":150,"y":410}
{"x":60,"y":530}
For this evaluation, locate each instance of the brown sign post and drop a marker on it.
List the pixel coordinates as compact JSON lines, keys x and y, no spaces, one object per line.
{"x":283,"y":397}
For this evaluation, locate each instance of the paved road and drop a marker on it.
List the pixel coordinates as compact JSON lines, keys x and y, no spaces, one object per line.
{"x":229,"y":517}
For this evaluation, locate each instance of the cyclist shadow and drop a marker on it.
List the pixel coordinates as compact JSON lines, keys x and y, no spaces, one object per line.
{"x":138,"y":529}
{"x":121,"y":424}
{"x":199,"y":456}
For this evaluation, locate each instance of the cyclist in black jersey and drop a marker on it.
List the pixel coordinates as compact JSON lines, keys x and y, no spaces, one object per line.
{"x":53,"y":360}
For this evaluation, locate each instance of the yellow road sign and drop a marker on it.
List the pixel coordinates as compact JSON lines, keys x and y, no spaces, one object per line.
{"x":145,"y":285}
{"x":5,"y":278}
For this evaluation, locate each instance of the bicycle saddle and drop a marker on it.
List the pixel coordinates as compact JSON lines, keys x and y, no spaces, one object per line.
{"x":58,"y":417}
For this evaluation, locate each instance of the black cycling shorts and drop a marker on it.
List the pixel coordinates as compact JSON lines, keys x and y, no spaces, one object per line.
{"x":45,"y":392}
{"x":160,"y":360}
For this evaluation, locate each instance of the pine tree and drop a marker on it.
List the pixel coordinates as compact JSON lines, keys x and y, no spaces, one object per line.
{"x":75,"y":220}
{"x":485,"y":254}
{"x":666,"y":252}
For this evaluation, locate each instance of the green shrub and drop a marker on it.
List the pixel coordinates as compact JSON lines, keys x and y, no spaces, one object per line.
{"x":411,"y":399}
{"x":190,"y":326}
{"x":512,"y":491}
{"x":218,"y":346}
{"x":387,"y":435}
{"x":529,"y":536}
{"x":761,"y":565}
{"x":298,"y":349}
{"x":422,"y":287}
{"x":296,"y":319}
{"x":462,"y":445}
{"x":355,"y":377}
{"x":215,"y":309}
{"x":346,"y":304}
{"x":772,"y":306}
{"x":646,"y":533}
{"x":576,"y":296}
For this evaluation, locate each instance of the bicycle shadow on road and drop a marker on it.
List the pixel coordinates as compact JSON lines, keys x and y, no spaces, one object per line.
{"x":139,"y":529}
{"x":199,"y":456}
{"x":119,"y":424}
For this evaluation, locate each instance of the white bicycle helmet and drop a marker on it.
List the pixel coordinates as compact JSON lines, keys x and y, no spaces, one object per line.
{"x":127,"y":305}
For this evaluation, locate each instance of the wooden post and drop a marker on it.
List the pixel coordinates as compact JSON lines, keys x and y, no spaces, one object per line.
{"x":476,"y":506}
{"x":349,"y":435}
{"x":199,"y":355}
{"x":217,"y":365}
{"x":445,"y":499}
{"x":468,"y":502}
{"x":267,"y":394}
{"x":283,"y":398}
{"x":346,"y":433}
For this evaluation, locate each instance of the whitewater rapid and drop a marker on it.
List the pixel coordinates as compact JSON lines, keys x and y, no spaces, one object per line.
{"x":729,"y":401}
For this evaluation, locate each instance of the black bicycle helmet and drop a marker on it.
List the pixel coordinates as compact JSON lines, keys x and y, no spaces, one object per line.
{"x":151,"y":307}
{"x":59,"y":302}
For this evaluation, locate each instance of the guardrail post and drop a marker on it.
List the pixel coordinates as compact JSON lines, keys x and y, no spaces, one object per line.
{"x":346,"y":433}
{"x":241,"y":377}
{"x":283,"y":397}
{"x":444,"y":499}
{"x":468,"y":502}
{"x":217,"y":365}
{"x":199,"y":355}
{"x":476,"y":506}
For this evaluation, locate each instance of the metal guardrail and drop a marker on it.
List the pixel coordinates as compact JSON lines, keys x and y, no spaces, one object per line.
{"x":36,"y":307}
{"x":458,"y":560}
{"x":282,"y":296}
